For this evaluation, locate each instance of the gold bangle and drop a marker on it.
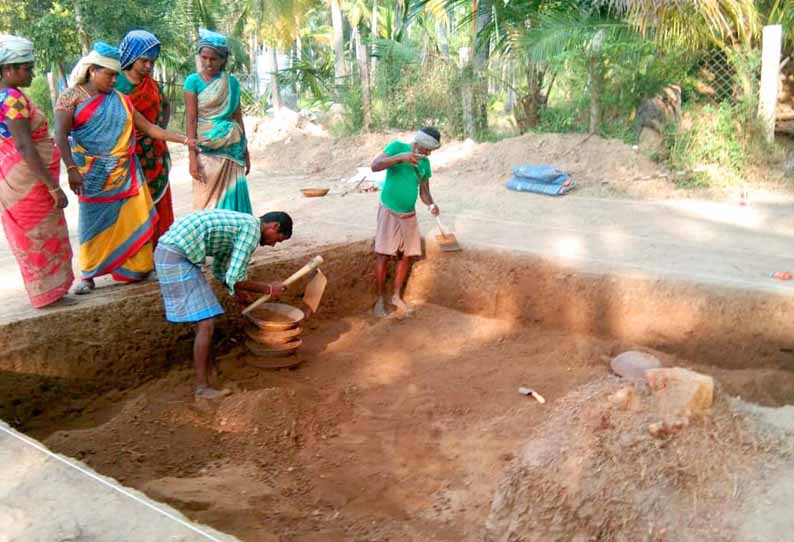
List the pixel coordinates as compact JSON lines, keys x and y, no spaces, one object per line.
{"x":56,"y":189}
{"x":70,"y":168}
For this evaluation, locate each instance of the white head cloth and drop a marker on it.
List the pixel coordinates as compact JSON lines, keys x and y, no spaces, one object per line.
{"x":426,"y":140}
{"x":79,"y":74}
{"x":15,"y":50}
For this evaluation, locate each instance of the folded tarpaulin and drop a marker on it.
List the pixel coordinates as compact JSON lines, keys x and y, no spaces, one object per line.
{"x":540,"y":179}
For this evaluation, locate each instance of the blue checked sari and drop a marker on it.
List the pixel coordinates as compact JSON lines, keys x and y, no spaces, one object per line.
{"x":116,"y":213}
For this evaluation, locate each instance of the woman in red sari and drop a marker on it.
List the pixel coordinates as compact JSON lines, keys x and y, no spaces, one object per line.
{"x":139,"y":49}
{"x":31,"y":201}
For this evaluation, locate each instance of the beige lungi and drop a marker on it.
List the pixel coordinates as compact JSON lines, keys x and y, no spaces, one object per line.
{"x":397,"y":232}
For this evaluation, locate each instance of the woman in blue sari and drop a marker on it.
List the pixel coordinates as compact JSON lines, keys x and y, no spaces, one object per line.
{"x":117,"y":217}
{"x":212,"y":115}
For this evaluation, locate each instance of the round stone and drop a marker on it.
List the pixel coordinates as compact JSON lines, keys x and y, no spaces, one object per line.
{"x":633,"y":364}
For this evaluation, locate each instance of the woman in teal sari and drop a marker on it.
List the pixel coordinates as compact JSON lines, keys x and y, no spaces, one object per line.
{"x":213,"y":116}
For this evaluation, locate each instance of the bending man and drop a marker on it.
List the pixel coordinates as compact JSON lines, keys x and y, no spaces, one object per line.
{"x":230,"y":238}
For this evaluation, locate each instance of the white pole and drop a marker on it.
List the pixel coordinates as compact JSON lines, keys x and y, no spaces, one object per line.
{"x":770,"y":78}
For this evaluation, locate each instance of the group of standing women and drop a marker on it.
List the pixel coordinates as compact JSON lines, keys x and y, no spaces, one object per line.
{"x":110,"y":134}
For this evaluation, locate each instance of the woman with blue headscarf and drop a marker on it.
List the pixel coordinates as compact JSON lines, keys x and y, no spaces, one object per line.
{"x":139,"y":49}
{"x":212,"y":115}
{"x":117,"y":218}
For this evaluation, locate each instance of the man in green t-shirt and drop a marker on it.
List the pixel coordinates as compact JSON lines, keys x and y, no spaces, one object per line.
{"x":407,"y":176}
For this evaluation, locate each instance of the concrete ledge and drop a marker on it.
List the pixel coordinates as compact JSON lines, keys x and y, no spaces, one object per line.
{"x":45,"y":497}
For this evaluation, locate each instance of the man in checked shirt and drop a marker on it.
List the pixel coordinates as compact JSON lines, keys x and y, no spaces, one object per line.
{"x":230,"y":238}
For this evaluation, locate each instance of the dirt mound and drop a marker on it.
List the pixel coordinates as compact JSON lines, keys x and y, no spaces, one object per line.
{"x":322,"y":156}
{"x":267,"y":416}
{"x":285,"y":124}
{"x":594,"y":472}
{"x":599,"y":166}
{"x":588,"y":159}
{"x":249,"y":425}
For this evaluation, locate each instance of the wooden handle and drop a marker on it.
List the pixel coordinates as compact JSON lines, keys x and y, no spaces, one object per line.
{"x":313,"y":264}
{"x":441,"y":226}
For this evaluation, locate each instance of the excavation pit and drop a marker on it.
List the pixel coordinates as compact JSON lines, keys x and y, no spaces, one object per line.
{"x":393,"y":429}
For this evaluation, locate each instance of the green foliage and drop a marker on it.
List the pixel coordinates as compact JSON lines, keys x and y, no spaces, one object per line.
{"x":720,"y":141}
{"x":39,"y":92}
{"x":715,"y":137}
{"x":314,"y":78}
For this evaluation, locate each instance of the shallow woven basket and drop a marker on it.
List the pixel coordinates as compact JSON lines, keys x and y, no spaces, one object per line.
{"x":314,"y":192}
{"x":291,"y":316}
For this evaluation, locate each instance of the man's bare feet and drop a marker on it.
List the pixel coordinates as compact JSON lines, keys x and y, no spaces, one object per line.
{"x":208,"y":393}
{"x":402,"y":307}
{"x":380,"y":308}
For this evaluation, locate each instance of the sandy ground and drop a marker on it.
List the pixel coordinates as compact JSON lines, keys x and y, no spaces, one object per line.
{"x":622,"y":217}
{"x":364,"y":441}
{"x":399,"y":429}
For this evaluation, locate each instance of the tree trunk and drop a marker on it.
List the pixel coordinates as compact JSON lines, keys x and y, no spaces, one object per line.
{"x":466,"y":91}
{"x":275,"y":89}
{"x":443,"y":38}
{"x":52,"y":82}
{"x":363,"y":71}
{"x":480,"y":64}
{"x":339,"y":43}
{"x":595,"y":78}
{"x":85,"y":43}
{"x":254,"y":58}
{"x":373,"y":32}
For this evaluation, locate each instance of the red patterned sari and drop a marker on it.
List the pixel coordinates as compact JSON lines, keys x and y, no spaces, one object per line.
{"x":35,"y":228}
{"x":153,"y":154}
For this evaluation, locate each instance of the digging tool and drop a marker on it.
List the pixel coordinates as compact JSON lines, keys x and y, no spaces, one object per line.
{"x":446,"y":241}
{"x":532,"y":393}
{"x":313,"y":264}
{"x":314,"y":291}
{"x":355,"y":188}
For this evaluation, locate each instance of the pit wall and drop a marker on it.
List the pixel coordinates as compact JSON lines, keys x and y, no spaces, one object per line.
{"x":60,"y":361}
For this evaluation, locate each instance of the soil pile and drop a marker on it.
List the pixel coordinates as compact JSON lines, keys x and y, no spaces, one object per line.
{"x":599,"y":166}
{"x":593,"y":471}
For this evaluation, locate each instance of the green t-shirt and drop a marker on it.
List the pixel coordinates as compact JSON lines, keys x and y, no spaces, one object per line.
{"x":402,"y":186}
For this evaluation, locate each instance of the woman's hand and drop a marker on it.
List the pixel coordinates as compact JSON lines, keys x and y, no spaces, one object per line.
{"x":59,"y":197}
{"x":75,"y":181}
{"x":196,"y":171}
{"x":247,"y":161}
{"x":191,"y":143}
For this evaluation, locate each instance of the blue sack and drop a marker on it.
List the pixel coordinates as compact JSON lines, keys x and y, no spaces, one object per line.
{"x":537,"y":173}
{"x":540,"y":179}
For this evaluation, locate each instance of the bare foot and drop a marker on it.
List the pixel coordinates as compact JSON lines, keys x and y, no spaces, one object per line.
{"x":380,"y":308}
{"x":208,"y":393}
{"x":85,"y":287}
{"x":402,"y":306}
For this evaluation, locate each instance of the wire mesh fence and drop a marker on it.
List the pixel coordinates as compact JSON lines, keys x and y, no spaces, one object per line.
{"x":726,"y":75}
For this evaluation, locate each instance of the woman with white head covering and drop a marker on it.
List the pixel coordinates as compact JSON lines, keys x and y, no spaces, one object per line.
{"x":117,"y":217}
{"x":212,"y":115}
{"x":31,"y":202}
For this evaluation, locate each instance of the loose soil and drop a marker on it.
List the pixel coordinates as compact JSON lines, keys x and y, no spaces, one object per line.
{"x":389,"y":429}
{"x":393,"y":429}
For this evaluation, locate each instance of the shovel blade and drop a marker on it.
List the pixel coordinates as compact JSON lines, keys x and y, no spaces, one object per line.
{"x":447,"y":242}
{"x":314,"y":291}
